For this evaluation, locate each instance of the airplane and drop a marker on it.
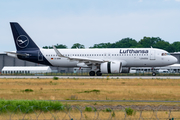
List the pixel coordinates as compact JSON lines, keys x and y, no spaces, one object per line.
{"x":105,"y":60}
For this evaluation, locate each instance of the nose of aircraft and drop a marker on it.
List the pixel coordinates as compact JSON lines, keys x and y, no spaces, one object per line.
{"x":174,"y":60}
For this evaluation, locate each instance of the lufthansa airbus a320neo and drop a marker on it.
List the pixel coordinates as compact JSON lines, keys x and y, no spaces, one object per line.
{"x":117,"y":60}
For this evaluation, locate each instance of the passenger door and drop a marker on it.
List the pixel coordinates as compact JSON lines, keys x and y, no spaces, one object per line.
{"x":152,"y":55}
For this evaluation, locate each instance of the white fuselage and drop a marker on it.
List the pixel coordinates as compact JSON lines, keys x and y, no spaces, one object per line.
{"x":130,"y":57}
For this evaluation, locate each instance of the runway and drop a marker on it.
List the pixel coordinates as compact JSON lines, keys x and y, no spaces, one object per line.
{"x":158,"y":101}
{"x":97,"y":77}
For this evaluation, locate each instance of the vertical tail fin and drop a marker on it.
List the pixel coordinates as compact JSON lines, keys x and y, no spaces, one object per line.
{"x":21,"y":38}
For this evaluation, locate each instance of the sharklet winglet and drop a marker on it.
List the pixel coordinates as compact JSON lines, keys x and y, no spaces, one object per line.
{"x":58,"y":53}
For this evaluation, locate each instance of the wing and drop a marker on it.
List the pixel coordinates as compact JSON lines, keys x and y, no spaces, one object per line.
{"x":87,"y":61}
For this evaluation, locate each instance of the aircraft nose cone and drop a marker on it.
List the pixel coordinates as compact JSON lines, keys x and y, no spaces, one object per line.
{"x":174,"y":60}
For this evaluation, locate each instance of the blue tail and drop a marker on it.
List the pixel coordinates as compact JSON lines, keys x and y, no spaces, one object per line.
{"x":26,"y":48}
{"x":21,"y":38}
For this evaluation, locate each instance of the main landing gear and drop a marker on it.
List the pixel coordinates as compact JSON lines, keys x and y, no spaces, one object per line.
{"x":92,"y":73}
{"x":98,"y":73}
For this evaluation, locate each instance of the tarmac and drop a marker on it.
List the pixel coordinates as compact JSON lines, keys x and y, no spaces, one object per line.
{"x":97,"y":77}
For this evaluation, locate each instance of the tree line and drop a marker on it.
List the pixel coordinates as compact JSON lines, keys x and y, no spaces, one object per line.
{"x":146,"y":42}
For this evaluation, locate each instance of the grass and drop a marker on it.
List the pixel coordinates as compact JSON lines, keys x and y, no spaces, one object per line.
{"x":129,"y":111}
{"x":27,"y":106}
{"x":112,"y":89}
{"x":55,"y":78}
{"x":89,"y":91}
{"x":88,"y":109}
{"x":56,"y":111}
{"x":28,"y":90}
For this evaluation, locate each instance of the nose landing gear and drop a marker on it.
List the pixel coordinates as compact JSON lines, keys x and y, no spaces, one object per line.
{"x":153,"y":72}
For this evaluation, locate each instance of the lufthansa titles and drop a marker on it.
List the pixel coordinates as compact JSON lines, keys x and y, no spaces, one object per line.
{"x":133,"y":51}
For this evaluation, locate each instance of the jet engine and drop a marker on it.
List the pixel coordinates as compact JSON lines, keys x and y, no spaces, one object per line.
{"x":111,"y":67}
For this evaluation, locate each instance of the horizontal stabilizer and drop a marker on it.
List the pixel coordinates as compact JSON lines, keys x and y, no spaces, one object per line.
{"x":14,"y":53}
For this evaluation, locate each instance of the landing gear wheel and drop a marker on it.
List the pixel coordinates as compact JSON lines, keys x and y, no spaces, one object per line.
{"x":92,"y":73}
{"x":153,"y":74}
{"x":98,"y":73}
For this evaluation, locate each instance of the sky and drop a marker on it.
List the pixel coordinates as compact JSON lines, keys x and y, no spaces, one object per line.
{"x":89,"y":22}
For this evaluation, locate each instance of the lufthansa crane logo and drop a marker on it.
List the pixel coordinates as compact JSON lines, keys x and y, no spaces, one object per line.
{"x":22,"y":41}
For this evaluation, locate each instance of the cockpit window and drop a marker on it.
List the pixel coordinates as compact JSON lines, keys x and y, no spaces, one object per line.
{"x":164,"y":54}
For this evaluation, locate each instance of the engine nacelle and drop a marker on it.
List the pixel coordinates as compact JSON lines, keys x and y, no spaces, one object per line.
{"x":111,"y":67}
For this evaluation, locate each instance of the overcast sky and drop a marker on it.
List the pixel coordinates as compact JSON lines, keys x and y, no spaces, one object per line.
{"x":89,"y":22}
